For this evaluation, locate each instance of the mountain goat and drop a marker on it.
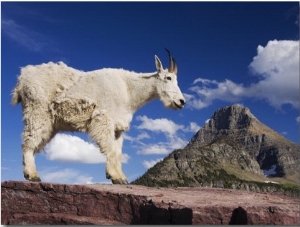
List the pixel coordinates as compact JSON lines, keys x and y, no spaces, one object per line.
{"x":56,"y":98}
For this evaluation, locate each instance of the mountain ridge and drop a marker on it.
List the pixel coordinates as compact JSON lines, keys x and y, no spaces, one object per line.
{"x":232,"y":150}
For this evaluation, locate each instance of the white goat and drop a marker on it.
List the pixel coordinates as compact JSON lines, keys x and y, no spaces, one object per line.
{"x":56,"y":98}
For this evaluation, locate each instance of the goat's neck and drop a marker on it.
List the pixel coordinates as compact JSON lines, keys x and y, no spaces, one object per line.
{"x":142,"y":89}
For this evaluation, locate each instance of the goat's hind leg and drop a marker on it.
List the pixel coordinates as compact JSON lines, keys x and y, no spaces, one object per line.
{"x":37,"y":133}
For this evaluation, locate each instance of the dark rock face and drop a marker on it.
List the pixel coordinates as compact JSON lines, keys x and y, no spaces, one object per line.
{"x":26,"y":203}
{"x":233,"y":150}
{"x":229,"y":121}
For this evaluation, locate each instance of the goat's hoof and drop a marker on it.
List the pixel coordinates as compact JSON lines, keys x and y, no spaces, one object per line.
{"x":119,"y":181}
{"x":33,"y":179}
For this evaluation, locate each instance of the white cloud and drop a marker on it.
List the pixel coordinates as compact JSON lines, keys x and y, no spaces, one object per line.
{"x":169,"y":129}
{"x":277,"y":68}
{"x":69,"y":148}
{"x":125,"y":158}
{"x":208,"y":91}
{"x":139,"y":137}
{"x":151,"y":163}
{"x":205,"y":81}
{"x":177,"y":143}
{"x":193,"y":127}
{"x":298,"y":119}
{"x":284,"y":133}
{"x":163,"y":125}
{"x":65,"y":176}
{"x":278,"y":64}
{"x":195,"y":102}
{"x":30,"y":39}
{"x":162,"y":148}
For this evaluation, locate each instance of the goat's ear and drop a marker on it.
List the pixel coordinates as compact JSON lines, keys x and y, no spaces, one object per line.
{"x":158,"y":64}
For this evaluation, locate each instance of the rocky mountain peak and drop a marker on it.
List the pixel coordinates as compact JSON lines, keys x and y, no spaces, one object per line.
{"x":230,"y":118}
{"x":233,"y":146}
{"x":235,"y":121}
{"x":239,"y":126}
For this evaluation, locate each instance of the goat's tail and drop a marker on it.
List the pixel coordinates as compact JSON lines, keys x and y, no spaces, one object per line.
{"x":16,"y":96}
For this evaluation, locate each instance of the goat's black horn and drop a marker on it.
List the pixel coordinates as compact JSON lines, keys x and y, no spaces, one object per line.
{"x":173,"y":65}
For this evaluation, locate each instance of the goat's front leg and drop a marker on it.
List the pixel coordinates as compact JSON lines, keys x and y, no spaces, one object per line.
{"x":102,"y":130}
{"x":114,"y":161}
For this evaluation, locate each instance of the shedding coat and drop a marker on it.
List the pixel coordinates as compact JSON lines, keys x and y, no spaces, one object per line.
{"x":56,"y":98}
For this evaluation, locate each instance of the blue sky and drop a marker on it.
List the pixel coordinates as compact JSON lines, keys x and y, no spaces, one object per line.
{"x":243,"y":53}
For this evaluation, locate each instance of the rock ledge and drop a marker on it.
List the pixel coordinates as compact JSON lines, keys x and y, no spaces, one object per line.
{"x":49,"y":203}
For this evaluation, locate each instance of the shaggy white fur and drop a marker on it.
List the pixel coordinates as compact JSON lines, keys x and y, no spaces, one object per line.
{"x":56,"y":98}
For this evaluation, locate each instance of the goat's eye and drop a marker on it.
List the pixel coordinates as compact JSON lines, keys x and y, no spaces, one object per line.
{"x":169,"y":78}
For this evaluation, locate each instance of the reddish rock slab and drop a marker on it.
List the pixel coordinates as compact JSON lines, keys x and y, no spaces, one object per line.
{"x":101,"y":204}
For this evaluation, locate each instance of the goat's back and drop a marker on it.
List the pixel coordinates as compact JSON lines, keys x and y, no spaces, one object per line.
{"x":42,"y":83}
